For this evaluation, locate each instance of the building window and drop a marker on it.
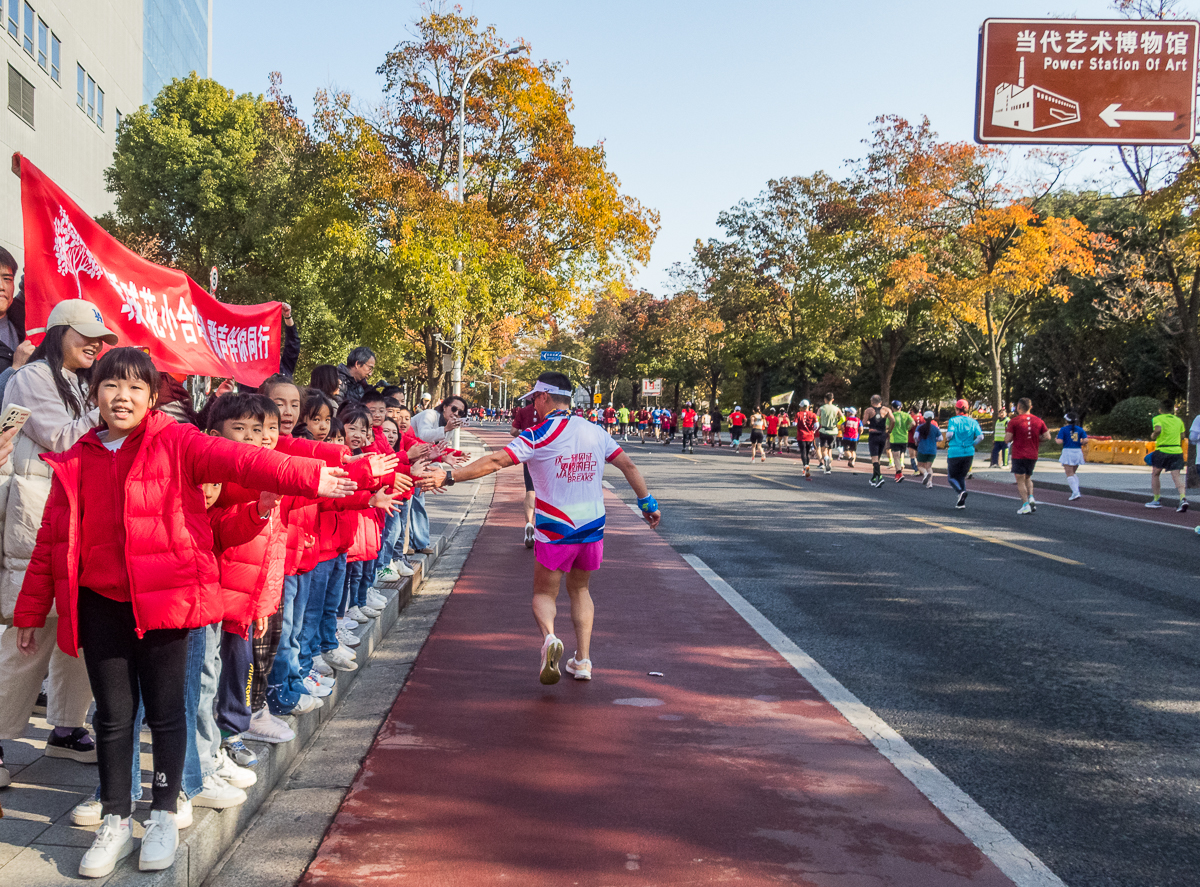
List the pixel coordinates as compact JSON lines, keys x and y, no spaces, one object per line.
{"x":91,"y":105}
{"x":100,"y":107}
{"x":20,"y":96}
{"x":80,"y":83}
{"x":117,"y":111}
{"x":14,"y":19}
{"x":28,"y":42}
{"x":55,"y":58}
{"x":43,"y":45}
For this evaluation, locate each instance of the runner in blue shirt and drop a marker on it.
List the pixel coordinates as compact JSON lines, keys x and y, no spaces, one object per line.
{"x":927,"y":436}
{"x":1071,"y":436}
{"x":962,"y":434}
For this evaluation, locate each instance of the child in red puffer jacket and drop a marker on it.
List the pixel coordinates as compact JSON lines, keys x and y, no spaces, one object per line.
{"x":125,"y":556}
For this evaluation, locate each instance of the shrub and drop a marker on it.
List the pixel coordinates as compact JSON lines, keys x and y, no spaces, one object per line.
{"x":1129,"y":419}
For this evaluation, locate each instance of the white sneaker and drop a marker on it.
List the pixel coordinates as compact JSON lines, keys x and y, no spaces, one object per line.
{"x":348,"y":638}
{"x":552,"y":650}
{"x":346,"y":623}
{"x":402,"y":569}
{"x":113,"y":842}
{"x":340,"y":662}
{"x":369,"y":611}
{"x":89,"y":812}
{"x":305,"y":704}
{"x":238,"y":777}
{"x":387,"y":574}
{"x":376,"y":601}
{"x":265,"y":727}
{"x":218,"y":794}
{"x":1025,"y":509}
{"x":183,"y":812}
{"x":159,"y":842}
{"x":358,"y":615}
{"x":322,"y":667}
{"x":1074,"y":496}
{"x":348,"y":652}
{"x":581,"y":669}
{"x":323,"y":679}
{"x":314,"y":689}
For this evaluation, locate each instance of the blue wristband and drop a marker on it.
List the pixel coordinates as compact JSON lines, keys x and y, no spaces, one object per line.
{"x":648,"y":505}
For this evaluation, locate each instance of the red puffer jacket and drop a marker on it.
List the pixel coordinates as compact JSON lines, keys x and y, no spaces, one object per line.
{"x":173,"y":576}
{"x":300,"y":512}
{"x":251,"y":554}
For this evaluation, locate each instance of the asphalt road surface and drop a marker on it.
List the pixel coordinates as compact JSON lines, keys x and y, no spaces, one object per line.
{"x":1056,"y":682}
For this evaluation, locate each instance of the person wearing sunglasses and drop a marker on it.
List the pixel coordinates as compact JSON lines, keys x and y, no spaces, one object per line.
{"x":434,"y":424}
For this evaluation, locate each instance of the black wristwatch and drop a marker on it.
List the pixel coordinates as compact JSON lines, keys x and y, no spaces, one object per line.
{"x":449,"y":481}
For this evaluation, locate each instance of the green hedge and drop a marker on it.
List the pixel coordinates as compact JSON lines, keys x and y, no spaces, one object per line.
{"x":1129,"y":419}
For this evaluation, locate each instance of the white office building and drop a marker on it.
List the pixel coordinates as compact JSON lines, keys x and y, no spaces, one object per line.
{"x":72,"y":68}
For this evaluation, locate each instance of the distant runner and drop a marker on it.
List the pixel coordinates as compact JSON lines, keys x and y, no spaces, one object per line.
{"x":525,"y":417}
{"x":806,"y":435}
{"x":851,"y":432}
{"x":877,"y":419}
{"x":566,"y":457}
{"x":1025,"y":432}
{"x":962,"y":434}
{"x":736,"y":420}
{"x":1167,"y":456}
{"x":828,"y":419}
{"x":899,"y":422}
{"x":1071,"y":436}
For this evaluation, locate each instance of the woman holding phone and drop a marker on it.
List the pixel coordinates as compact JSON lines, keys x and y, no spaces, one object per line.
{"x":53,"y":385}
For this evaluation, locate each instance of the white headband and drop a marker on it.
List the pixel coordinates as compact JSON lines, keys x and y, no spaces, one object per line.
{"x":549,"y":389}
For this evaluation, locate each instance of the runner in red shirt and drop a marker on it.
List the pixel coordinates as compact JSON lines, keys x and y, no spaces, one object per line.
{"x":806,"y":432}
{"x":610,"y":419}
{"x":772,"y":431}
{"x":687,"y":421}
{"x":526,"y":417}
{"x":1025,"y":432}
{"x":851,"y":431}
{"x":737,"y":419}
{"x":785,"y":425}
{"x":643,"y":420}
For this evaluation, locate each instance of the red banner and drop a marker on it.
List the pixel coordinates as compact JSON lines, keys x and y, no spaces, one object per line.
{"x":69,"y":256}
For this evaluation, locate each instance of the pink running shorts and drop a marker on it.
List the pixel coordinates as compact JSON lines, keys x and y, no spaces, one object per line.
{"x":587,"y":556}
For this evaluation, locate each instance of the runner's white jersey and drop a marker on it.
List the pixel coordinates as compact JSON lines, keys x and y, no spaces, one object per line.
{"x":566,"y":456}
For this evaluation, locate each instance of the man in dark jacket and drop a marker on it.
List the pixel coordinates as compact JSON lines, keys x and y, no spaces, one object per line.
{"x":12,"y":310}
{"x":358,"y":368}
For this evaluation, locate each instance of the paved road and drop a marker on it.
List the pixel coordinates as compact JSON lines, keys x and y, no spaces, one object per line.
{"x":1057,"y":682}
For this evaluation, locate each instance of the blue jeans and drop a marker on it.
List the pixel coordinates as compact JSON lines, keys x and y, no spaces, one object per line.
{"x":360,"y":576}
{"x":284,"y":686}
{"x":334,"y":591}
{"x":313,"y":630}
{"x":418,"y":521}
{"x":393,"y":529}
{"x":208,"y":737}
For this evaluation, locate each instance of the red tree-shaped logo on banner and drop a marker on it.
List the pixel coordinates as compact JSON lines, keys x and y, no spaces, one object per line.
{"x":73,"y":255}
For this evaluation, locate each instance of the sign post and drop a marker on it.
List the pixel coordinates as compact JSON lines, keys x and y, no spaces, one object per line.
{"x":652,"y":387}
{"x":1086,"y":82}
{"x":552,"y":356}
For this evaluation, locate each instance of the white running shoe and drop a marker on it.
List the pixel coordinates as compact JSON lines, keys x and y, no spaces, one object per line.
{"x":314,"y":689}
{"x":265,"y":727}
{"x":238,"y":777}
{"x":159,"y":842}
{"x":218,"y":794}
{"x":387,"y":574}
{"x":324,"y":680}
{"x":348,"y":650}
{"x":305,"y":704}
{"x":370,"y":612}
{"x":358,"y":615}
{"x":376,"y":601}
{"x":580,"y":668}
{"x":402,"y":569}
{"x":1025,"y":509}
{"x":322,"y":667}
{"x":113,"y":842}
{"x":552,"y":650}
{"x":1074,"y":496}
{"x":339,"y":661}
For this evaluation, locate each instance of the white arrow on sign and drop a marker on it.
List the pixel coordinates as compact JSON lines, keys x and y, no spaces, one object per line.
{"x":1113,"y":116}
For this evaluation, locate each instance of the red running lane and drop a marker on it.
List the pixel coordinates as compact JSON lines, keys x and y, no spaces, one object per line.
{"x":730,"y":767}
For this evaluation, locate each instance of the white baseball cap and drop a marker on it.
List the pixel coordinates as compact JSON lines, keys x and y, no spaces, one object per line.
{"x":83,"y":317}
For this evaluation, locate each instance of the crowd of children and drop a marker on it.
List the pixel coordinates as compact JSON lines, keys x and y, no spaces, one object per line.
{"x":212,"y":569}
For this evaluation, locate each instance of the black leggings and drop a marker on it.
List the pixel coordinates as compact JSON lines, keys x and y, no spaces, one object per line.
{"x":957,"y":470}
{"x":118,"y":663}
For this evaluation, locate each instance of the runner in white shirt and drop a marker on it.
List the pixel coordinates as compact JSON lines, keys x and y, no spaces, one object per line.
{"x":565,"y":455}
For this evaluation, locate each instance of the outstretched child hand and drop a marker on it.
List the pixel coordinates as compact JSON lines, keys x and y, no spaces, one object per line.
{"x":335,"y":483}
{"x":420,"y":451}
{"x":402,"y":484}
{"x":383,"y":464}
{"x":384,"y":500}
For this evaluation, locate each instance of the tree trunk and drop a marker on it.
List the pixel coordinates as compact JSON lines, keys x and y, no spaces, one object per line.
{"x":676,"y":410}
{"x":756,"y":401}
{"x":1193,"y":401}
{"x":714,"y":377}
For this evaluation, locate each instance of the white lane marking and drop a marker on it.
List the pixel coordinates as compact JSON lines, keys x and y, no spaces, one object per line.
{"x":608,"y":486}
{"x":634,"y":509}
{"x":1012,"y":857}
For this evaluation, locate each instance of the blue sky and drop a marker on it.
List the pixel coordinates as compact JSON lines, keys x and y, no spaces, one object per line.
{"x":698,"y":103}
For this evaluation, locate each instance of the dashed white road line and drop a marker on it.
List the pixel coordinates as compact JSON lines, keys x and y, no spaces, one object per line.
{"x":1012,"y":857}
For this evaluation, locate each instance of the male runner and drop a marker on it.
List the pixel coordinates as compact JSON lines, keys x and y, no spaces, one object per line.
{"x":877,"y":418}
{"x":566,"y":457}
{"x":828,"y":419}
{"x":623,"y":420}
{"x":898,"y":425}
{"x":643,"y":422}
{"x":962,"y":434}
{"x":736,"y":420}
{"x":1167,"y":456}
{"x":785,"y":425}
{"x":656,"y":416}
{"x":610,"y":420}
{"x":687,"y":421}
{"x":772,"y":430}
{"x":806,"y":435}
{"x":1025,"y":432}
{"x":525,"y":417}
{"x":851,"y":431}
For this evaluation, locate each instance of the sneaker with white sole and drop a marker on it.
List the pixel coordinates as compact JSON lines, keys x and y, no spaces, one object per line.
{"x":369,"y":611}
{"x":402,"y":569}
{"x":89,"y":812}
{"x":962,"y":500}
{"x":1024,"y":509}
{"x":337,"y":660}
{"x":348,"y":638}
{"x":529,"y":536}
{"x":552,"y":650}
{"x":387,"y":574}
{"x":314,"y":689}
{"x":376,"y":601}
{"x":348,"y":652}
{"x":1074,"y":496}
{"x":218,"y":794}
{"x":265,"y":727}
{"x":183,"y":812}
{"x":238,"y":777}
{"x":321,"y":667}
{"x":238,"y":752}
{"x":113,"y":842}
{"x":358,"y":616}
{"x":159,"y":843}
{"x":581,"y":669}
{"x":325,"y":680}
{"x":305,"y":704}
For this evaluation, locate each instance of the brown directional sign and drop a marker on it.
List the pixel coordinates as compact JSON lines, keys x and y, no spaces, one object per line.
{"x":1078,"y":81}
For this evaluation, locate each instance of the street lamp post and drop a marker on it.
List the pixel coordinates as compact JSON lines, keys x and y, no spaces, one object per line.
{"x":456,"y":373}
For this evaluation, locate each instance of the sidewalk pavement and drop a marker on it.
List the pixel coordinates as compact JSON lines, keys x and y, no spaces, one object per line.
{"x":697,"y":754}
{"x":39,"y":846}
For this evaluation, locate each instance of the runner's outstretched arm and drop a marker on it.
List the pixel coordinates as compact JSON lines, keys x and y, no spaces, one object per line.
{"x":625,"y":465}
{"x":435,"y":478}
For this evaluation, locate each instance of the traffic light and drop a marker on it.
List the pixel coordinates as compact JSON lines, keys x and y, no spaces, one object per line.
{"x":472,"y":384}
